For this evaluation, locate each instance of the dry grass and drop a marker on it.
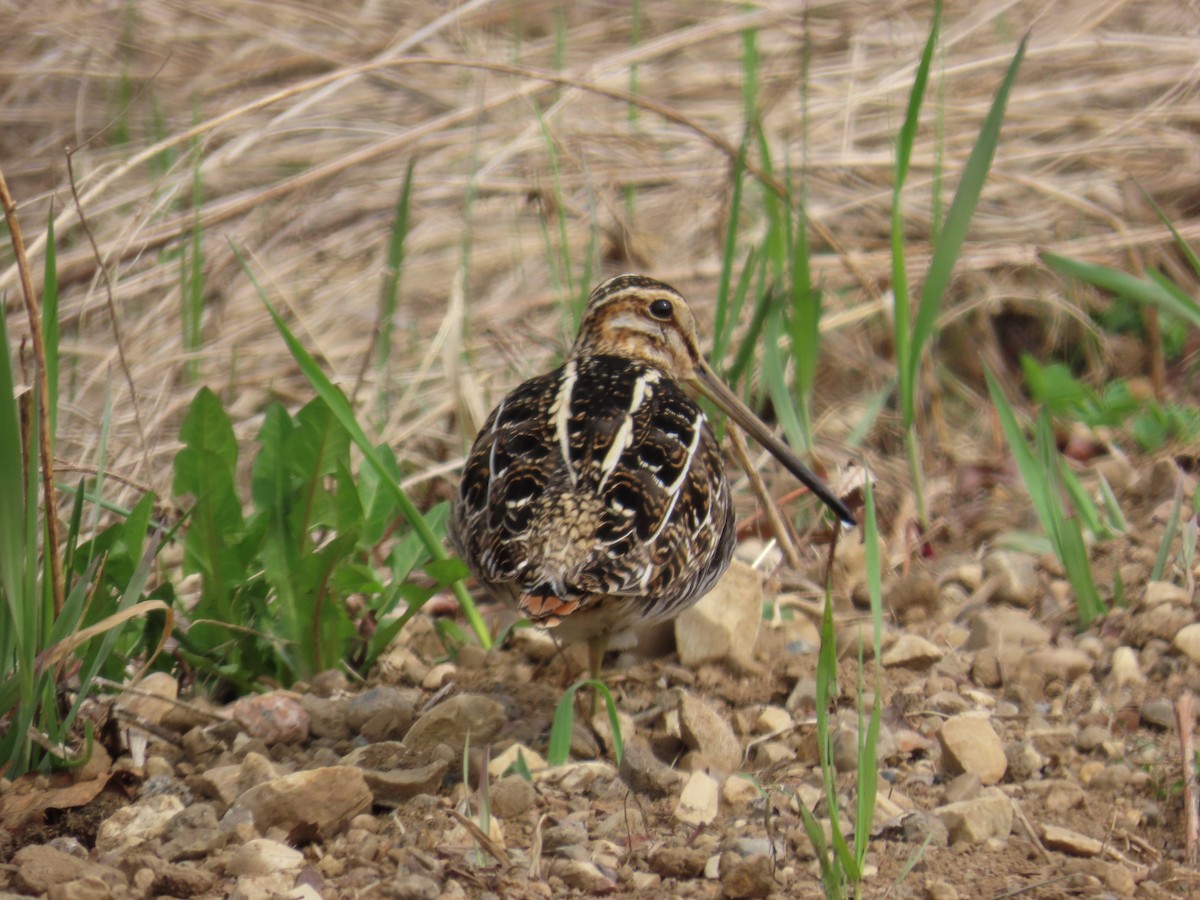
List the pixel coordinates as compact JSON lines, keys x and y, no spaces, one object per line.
{"x":306,"y":117}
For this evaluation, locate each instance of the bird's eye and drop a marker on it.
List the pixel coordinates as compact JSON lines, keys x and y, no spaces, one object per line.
{"x":662,"y":310}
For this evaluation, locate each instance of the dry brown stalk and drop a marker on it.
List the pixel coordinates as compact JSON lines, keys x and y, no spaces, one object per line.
{"x":45,"y":450}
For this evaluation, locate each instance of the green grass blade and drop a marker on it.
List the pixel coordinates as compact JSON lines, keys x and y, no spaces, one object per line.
{"x":958,"y":219}
{"x":1168,"y":536}
{"x":389,"y":291}
{"x":1123,"y":284}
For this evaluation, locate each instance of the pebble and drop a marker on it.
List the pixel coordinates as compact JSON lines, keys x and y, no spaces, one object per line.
{"x":1125,"y":669}
{"x":750,"y":877}
{"x":1187,"y":642}
{"x":644,"y":772}
{"x":706,"y":731}
{"x":724,"y":623}
{"x":1068,"y":841}
{"x":1015,"y":575}
{"x":1062,"y":663}
{"x":1002,"y":626}
{"x":193,"y":834}
{"x":912,"y":652}
{"x":1165,"y":592}
{"x":698,"y":801}
{"x":137,"y":823}
{"x":1158,"y":711}
{"x":970,"y":744}
{"x":976,"y":821}
{"x":1091,"y":738}
{"x":326,"y":798}
{"x":966,"y":786}
{"x":453,"y":721}
{"x":512,"y":797}
{"x":504,"y":760}
{"x":275,"y":718}
{"x":39,"y":868}
{"x":263,"y":857}
{"x":773,"y":720}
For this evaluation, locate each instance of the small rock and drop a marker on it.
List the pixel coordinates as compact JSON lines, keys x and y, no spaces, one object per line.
{"x":412,"y":886}
{"x":193,"y":834}
{"x":698,"y":801}
{"x":567,"y":834}
{"x":970,"y":744}
{"x":326,"y":718}
{"x":644,"y":772}
{"x":706,"y":731}
{"x":679,"y":862}
{"x":912,"y":652}
{"x":263,"y":857}
{"x":912,"y":596}
{"x":40,"y":867}
{"x":276,"y":718}
{"x":966,"y":786}
{"x":1062,"y":663}
{"x":1165,"y":592}
{"x":382,"y":713}
{"x":1003,"y":626}
{"x":219,"y":783}
{"x":975,"y":821}
{"x":936,"y":889}
{"x":748,"y":877}
{"x":439,"y":676}
{"x":326,"y":798}
{"x":394,"y":787}
{"x":1068,"y":841}
{"x":1158,"y":711}
{"x":256,"y":769}
{"x":582,"y":875}
{"x":91,"y":888}
{"x":1187,"y":642}
{"x":739,"y":792}
{"x":1126,"y":670}
{"x":1091,"y":738}
{"x":773,"y":720}
{"x":1015,"y":575}
{"x":452,"y":720}
{"x":919,"y":827}
{"x":512,"y":797}
{"x":135,"y":825}
{"x":502,"y":762}
{"x":724,"y":623}
{"x":1112,"y":777}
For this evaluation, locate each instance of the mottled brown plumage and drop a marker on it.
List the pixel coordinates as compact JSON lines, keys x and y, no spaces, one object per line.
{"x":594,"y":498}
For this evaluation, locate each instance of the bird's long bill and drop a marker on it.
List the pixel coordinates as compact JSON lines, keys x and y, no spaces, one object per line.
{"x":711,"y":386}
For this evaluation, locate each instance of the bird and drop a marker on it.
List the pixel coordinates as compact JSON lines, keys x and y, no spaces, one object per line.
{"x":594,"y":499}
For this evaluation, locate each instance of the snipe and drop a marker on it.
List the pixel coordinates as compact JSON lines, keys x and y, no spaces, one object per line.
{"x":594,"y":499}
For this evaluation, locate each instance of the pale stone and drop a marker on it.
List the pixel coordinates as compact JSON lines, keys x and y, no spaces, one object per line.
{"x":706,"y":731}
{"x":724,"y":623}
{"x":1068,"y":841}
{"x":773,"y":720}
{"x":263,"y":857}
{"x":970,"y":744}
{"x":1002,"y":626}
{"x":698,"y":801}
{"x":502,"y":761}
{"x":912,"y":652}
{"x":1187,"y":642}
{"x":1126,"y":670}
{"x":327,"y":797}
{"x":1165,"y":592}
{"x":975,"y":821}
{"x":135,"y":825}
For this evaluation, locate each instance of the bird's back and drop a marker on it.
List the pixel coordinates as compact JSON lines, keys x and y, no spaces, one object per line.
{"x":601,"y":479}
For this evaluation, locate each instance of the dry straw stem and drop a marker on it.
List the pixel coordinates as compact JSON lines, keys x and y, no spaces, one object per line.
{"x":305,"y":119}
{"x":45,"y":445}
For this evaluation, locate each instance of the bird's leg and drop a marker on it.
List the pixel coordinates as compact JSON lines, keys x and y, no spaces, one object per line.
{"x":596,"y":647}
